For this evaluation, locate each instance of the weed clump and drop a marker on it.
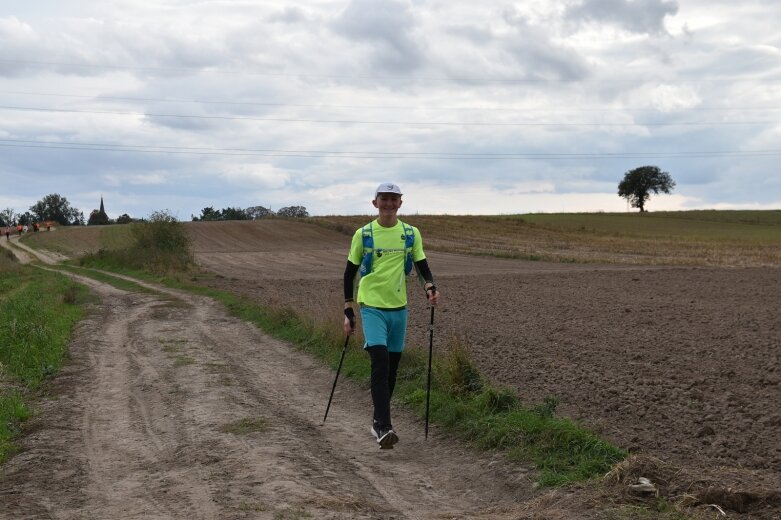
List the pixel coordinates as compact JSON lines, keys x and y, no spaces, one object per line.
{"x":160,"y":246}
{"x":461,"y":376}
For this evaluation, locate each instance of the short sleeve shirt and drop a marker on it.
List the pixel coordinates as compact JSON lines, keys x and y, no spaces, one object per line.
{"x":385,"y":287}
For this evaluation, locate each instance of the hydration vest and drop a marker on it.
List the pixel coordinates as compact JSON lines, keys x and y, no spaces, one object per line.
{"x":368,"y":249}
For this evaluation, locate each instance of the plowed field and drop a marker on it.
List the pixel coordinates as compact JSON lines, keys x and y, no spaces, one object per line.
{"x":681,"y":363}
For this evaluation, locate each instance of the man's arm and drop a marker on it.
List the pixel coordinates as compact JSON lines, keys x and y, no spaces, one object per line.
{"x":349,"y":313}
{"x":425,"y":272}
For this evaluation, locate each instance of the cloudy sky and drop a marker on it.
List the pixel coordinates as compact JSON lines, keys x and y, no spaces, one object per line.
{"x":471,"y":107}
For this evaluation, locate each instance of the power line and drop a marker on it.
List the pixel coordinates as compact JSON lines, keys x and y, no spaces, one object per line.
{"x":114,"y":147}
{"x":405,"y":123}
{"x":378,"y":107}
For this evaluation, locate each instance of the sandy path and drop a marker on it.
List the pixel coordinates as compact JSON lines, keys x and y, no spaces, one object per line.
{"x":143,"y":425}
{"x":22,"y":253}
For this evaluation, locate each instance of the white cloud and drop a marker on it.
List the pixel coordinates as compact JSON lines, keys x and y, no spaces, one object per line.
{"x":254,"y":176}
{"x":538,"y":106}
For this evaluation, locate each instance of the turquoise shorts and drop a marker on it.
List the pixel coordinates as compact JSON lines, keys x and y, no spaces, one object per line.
{"x":381,"y":327}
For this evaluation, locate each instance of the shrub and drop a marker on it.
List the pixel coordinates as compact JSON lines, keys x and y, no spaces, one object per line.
{"x":160,"y":245}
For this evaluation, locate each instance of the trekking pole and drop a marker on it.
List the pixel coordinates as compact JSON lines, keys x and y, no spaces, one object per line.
{"x":341,"y":360}
{"x":430,"y":351}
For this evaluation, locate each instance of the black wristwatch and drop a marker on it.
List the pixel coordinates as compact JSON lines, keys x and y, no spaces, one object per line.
{"x":433,"y":289}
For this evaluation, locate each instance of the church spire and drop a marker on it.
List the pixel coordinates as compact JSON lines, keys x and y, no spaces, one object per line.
{"x":102,"y":210}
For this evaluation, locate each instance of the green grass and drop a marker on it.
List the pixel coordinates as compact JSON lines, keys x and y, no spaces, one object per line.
{"x":118,"y":283}
{"x":38,"y":315}
{"x":246,"y":426}
{"x":181,"y":361}
{"x":38,"y":310}
{"x":13,"y":411}
{"x":764,"y":227}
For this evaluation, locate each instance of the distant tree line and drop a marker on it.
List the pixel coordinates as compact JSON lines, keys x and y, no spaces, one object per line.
{"x":56,"y":209}
{"x":251,"y":213}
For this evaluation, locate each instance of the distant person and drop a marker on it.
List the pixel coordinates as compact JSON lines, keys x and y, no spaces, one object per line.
{"x":19,"y":229}
{"x":36,"y":227}
{"x":384,"y":250}
{"x":48,"y":226}
{"x":8,"y":232}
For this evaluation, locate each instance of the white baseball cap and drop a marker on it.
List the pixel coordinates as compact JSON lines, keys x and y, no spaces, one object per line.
{"x":387,"y":187}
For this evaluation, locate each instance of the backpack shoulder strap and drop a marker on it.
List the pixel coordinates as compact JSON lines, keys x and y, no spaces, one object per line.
{"x":368,"y":249}
{"x":409,"y":242}
{"x":368,"y":238}
{"x":409,"y":236}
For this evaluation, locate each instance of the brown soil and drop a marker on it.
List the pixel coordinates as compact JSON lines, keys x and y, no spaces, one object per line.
{"x":679,"y":363}
{"x":169,"y":408}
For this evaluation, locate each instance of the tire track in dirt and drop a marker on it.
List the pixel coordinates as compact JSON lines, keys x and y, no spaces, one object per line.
{"x":148,"y":424}
{"x":20,"y":252}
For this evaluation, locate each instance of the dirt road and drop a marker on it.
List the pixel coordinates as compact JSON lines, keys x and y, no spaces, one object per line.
{"x":677,"y":363}
{"x":169,"y":408}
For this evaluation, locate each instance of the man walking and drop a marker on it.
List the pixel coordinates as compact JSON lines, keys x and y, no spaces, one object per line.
{"x":384,"y":252}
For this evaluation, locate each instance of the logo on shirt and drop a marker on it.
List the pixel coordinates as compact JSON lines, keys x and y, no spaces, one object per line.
{"x":380,"y":252}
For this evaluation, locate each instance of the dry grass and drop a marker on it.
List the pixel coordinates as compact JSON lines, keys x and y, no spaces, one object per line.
{"x":696,"y":238}
{"x":744,"y":239}
{"x":684,"y":491}
{"x":75,"y":241}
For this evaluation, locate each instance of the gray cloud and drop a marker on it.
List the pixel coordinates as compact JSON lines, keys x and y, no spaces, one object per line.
{"x":387,"y":26}
{"x":290,"y":14}
{"x":639,"y":16}
{"x":531,"y":47}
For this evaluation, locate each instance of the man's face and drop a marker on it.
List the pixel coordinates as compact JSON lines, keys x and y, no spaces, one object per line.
{"x":387,"y":203}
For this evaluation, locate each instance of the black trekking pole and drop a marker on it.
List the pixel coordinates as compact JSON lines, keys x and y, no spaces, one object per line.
{"x":430,"y":351}
{"x":341,"y":360}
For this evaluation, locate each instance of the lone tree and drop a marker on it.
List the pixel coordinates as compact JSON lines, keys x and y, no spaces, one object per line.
{"x":638,"y":184}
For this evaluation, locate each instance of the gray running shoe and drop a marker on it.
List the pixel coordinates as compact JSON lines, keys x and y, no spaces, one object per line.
{"x":386,"y":438}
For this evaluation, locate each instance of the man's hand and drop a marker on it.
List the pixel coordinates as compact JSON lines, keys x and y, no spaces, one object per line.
{"x":432,"y":294}
{"x":349,"y":320}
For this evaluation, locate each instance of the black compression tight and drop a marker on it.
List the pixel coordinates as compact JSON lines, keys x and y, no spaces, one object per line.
{"x":385,"y":366}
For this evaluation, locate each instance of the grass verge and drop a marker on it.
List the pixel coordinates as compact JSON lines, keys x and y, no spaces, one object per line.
{"x":38,"y":310}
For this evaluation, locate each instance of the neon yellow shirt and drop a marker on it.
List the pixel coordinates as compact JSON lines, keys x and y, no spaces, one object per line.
{"x":385,"y":287}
